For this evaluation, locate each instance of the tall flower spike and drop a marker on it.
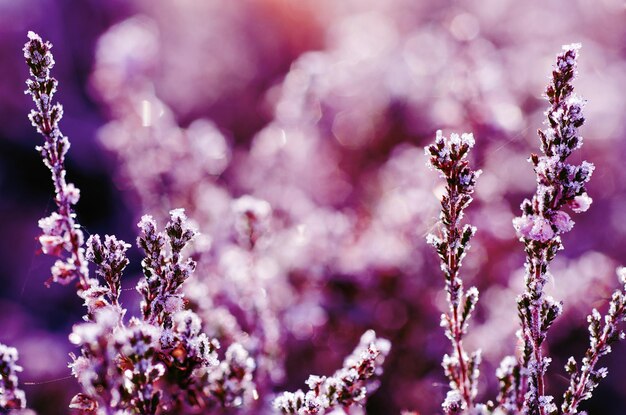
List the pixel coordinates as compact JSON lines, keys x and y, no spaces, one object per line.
{"x":448,"y":156}
{"x":164,"y":272}
{"x":542,"y":222}
{"x":110,"y":259}
{"x":61,"y":233}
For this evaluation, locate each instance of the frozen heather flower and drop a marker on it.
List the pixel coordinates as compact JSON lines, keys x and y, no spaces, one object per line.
{"x":447,"y":153}
{"x":173,"y":305}
{"x":72,"y":193}
{"x":164,"y":271}
{"x":51,"y":225}
{"x":63,"y":272}
{"x":580,"y":203}
{"x":186,"y":322}
{"x":252,"y":220}
{"x":105,"y":322}
{"x":11,"y":396}
{"x":562,"y":221}
{"x":189,"y":346}
{"x":38,"y":56}
{"x":138,"y":346}
{"x":231,"y":382}
{"x":346,"y":387}
{"x":179,"y":230}
{"x":110,"y":259}
{"x":454,"y":403}
{"x":52,"y":244}
{"x":95,"y":300}
{"x":534,"y":227}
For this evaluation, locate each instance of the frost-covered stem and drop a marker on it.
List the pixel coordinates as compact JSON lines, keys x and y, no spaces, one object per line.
{"x":457,"y":342}
{"x":346,"y":387}
{"x":584,"y":380}
{"x":61,"y":232}
{"x":526,"y":353}
{"x":448,"y":157}
{"x":559,"y":184}
{"x":581,"y":386}
{"x":537,"y":353}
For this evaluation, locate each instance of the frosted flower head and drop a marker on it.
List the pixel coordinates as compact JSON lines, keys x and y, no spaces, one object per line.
{"x":314,"y":382}
{"x":72,"y":193}
{"x":454,"y":403}
{"x":179,"y":230}
{"x":580,"y":203}
{"x":575,"y":110}
{"x":147,"y":224}
{"x":53,"y":244}
{"x":448,"y":156}
{"x":52,"y":225}
{"x":63,"y":272}
{"x":566,"y":60}
{"x":562,"y":222}
{"x":186,"y":322}
{"x":139,"y":338}
{"x":533,"y":227}
{"x":173,"y":304}
{"x":237,"y":356}
{"x":585,"y":170}
{"x":38,"y":56}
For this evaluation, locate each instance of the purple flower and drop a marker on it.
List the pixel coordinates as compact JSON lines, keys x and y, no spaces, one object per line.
{"x":580,"y":203}
{"x":534,"y":227}
{"x":562,"y":221}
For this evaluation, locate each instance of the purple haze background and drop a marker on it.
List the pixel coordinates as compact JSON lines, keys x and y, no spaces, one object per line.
{"x":320,"y":108}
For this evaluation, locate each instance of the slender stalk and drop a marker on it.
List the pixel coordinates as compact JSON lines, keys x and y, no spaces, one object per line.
{"x":585,"y":379}
{"x":60,"y":230}
{"x":559,"y":184}
{"x":448,"y":157}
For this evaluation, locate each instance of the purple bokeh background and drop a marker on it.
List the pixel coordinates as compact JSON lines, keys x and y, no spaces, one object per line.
{"x":320,"y":108}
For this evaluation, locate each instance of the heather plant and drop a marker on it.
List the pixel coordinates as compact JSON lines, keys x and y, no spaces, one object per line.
{"x":169,"y":358}
{"x":160,"y":362}
{"x":559,"y":184}
{"x":542,"y":222}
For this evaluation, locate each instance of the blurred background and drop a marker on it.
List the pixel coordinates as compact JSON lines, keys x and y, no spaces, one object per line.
{"x":321,"y":108}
